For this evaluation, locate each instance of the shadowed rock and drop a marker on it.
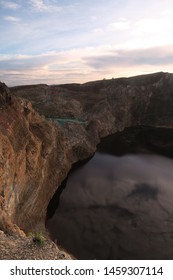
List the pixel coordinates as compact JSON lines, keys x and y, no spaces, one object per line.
{"x":36,"y":155}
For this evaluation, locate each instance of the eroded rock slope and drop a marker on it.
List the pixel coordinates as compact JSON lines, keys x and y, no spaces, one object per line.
{"x":39,"y":144}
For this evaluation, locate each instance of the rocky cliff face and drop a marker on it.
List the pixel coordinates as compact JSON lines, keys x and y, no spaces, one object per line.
{"x":30,"y":151}
{"x":39,"y":144}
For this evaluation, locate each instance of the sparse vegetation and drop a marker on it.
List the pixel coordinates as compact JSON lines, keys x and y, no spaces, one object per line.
{"x":38,"y":238}
{"x":23,"y":248}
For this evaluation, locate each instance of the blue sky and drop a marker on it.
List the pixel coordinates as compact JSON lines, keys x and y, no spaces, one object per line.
{"x":63,"y":41}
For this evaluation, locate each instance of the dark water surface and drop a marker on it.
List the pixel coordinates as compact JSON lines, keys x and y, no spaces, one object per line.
{"x":117,"y":207}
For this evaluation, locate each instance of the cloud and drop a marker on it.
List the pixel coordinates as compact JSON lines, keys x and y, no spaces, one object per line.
{"x":26,"y":62}
{"x":10,"y":5}
{"x":151,"y":56}
{"x":51,"y":68}
{"x":44,"y":6}
{"x":38,"y":5}
{"x":12,"y":19}
{"x":152,"y":25}
{"x":121,"y":24}
{"x":83,"y":64}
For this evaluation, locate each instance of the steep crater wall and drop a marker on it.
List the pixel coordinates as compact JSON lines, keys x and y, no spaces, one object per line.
{"x":36,"y":153}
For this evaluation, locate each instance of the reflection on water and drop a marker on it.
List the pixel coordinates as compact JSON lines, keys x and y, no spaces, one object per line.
{"x":117,"y":208}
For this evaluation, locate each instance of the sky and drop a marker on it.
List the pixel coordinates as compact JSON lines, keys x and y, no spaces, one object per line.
{"x":63,"y":41}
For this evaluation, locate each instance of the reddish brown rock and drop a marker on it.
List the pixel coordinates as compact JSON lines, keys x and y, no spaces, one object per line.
{"x":36,"y":153}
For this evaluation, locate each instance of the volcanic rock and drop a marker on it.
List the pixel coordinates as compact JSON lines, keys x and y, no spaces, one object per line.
{"x":45,"y":129}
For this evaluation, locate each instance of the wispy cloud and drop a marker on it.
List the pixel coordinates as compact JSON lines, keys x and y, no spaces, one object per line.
{"x":10,"y":5}
{"x":121,"y":24}
{"x":12,"y":19}
{"x":38,"y":5}
{"x":45,"y":6}
{"x":82,"y":65}
{"x":65,"y":41}
{"x":115,"y":58}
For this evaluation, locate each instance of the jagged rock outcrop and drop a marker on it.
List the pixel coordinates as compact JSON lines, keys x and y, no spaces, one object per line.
{"x":35,"y":157}
{"x":30,"y":151}
{"x":141,"y":100}
{"x":37,"y":150}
